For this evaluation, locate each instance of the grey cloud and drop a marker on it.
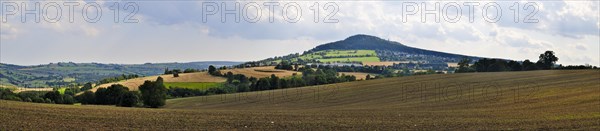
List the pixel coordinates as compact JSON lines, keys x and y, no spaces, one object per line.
{"x":567,"y":24}
{"x":580,"y":47}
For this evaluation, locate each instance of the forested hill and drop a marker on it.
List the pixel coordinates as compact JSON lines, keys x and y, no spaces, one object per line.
{"x":367,"y":42}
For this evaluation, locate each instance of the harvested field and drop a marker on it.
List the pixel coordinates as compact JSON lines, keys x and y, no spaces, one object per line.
{"x":358,"y":75}
{"x":528,"y":100}
{"x":193,"y":85}
{"x":133,"y":84}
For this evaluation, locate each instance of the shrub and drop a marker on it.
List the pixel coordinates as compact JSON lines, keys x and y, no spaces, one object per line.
{"x":27,"y":100}
{"x":67,"y":99}
{"x":12,"y":98}
{"x":48,"y":100}
{"x":184,"y":92}
{"x":86,"y":86}
{"x":32,"y":96}
{"x":88,"y":97}
{"x":110,"y":95}
{"x":154,"y":93}
{"x":55,"y":96}
{"x":7,"y":94}
{"x":129,"y":99}
{"x":38,"y":100}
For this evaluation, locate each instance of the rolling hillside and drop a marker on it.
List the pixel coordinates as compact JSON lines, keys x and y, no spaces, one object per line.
{"x":261,"y":72}
{"x":528,"y":100}
{"x":133,"y":84}
{"x":204,"y":77}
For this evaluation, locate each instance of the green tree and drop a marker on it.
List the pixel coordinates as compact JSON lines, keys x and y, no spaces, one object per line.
{"x":88,"y":97}
{"x":167,"y":71}
{"x":229,"y":76}
{"x":114,"y":93}
{"x":54,"y":96}
{"x":212,"y":69}
{"x":86,"y":86}
{"x":514,"y":66}
{"x":7,"y":94}
{"x":547,"y":59}
{"x":528,"y":65}
{"x":463,"y":66}
{"x":129,"y":99}
{"x":101,"y":96}
{"x":68,"y":99}
{"x":274,"y":82}
{"x":284,"y":83}
{"x":154,"y":93}
{"x":263,"y":84}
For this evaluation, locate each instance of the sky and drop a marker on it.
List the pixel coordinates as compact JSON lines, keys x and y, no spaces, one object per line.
{"x":185,"y":31}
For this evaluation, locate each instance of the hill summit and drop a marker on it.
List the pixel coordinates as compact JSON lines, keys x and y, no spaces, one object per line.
{"x":368,"y":42}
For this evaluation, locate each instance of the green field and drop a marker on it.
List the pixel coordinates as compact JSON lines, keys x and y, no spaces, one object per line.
{"x":350,"y":52}
{"x":353,"y":59}
{"x":526,"y":100}
{"x":61,"y":90}
{"x":193,"y":85}
{"x":346,"y":56}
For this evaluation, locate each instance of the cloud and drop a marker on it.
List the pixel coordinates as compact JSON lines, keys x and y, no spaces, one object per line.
{"x":580,"y":47}
{"x":8,"y":31}
{"x":574,"y":19}
{"x":565,"y":26}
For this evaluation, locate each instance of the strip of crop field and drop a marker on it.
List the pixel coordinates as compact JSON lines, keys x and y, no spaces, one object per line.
{"x":342,"y":56}
{"x":352,"y":59}
{"x":193,"y":85}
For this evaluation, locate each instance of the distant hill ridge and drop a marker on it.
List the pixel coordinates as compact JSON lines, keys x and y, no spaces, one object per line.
{"x":62,"y":73}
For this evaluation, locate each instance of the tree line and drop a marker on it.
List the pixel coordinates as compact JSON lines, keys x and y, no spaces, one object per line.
{"x":151,"y":94}
{"x":546,"y":61}
{"x":188,"y":70}
{"x":54,"y":97}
